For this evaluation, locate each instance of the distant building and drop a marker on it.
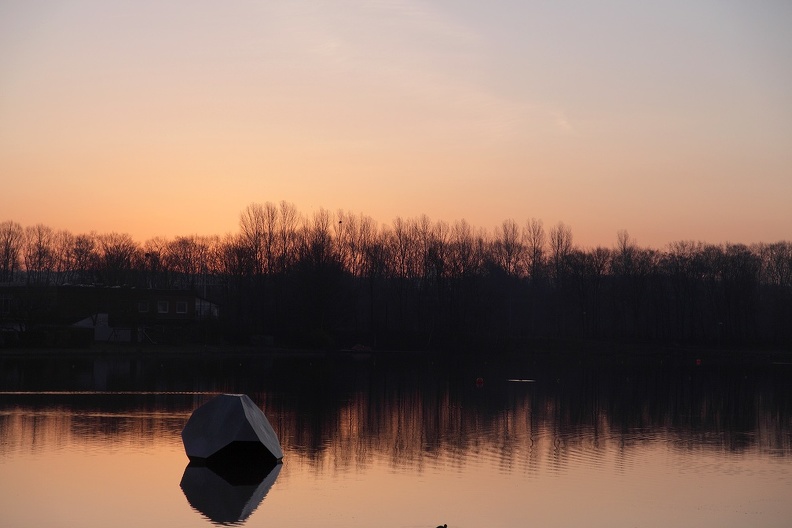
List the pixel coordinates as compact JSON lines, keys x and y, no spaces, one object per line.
{"x":117,"y":314}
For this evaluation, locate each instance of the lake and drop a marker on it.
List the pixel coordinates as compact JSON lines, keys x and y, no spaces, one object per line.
{"x":398,"y":440}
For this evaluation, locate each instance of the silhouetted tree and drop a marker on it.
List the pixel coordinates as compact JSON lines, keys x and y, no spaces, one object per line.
{"x":288,"y":240}
{"x":186,"y":258}
{"x":740,"y":280}
{"x":508,"y":248}
{"x":39,"y":254}
{"x":63,"y":252}
{"x":256,"y":231}
{"x":11,"y":243}
{"x":534,"y":241}
{"x":154,"y":264}
{"x":776,"y":284}
{"x":317,"y":279}
{"x":117,"y":253}
{"x":560,"y":248}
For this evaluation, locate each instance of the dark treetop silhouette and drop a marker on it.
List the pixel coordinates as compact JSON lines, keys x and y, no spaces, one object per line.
{"x":334,"y":280}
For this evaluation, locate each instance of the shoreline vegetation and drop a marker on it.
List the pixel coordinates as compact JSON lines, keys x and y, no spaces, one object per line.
{"x":332,"y":281}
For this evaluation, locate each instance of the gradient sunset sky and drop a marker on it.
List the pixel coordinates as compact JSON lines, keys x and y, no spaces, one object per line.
{"x":670,"y":119}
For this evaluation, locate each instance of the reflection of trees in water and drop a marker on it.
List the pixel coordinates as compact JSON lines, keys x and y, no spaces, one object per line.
{"x":412,"y":411}
{"x":35,"y":428}
{"x":420,"y":422}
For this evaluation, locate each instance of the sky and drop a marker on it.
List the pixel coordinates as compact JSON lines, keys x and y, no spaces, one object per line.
{"x":672,"y":120}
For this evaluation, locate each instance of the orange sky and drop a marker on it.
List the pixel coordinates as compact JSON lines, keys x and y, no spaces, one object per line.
{"x":673,"y":121}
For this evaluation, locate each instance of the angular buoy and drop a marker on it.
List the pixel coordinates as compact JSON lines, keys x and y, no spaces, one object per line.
{"x":230,"y":427}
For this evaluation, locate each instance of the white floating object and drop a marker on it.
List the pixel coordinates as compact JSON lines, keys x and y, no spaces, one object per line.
{"x":229,"y":425}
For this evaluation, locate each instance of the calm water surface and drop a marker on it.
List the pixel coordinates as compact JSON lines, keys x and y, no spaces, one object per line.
{"x":398,"y":442}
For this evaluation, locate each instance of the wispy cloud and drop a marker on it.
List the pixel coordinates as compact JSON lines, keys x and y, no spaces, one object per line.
{"x":421,"y":56}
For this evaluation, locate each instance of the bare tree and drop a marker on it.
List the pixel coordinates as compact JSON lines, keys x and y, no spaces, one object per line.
{"x":63,"y":244}
{"x":534,"y":241}
{"x":317,"y":244}
{"x":252,"y":225}
{"x":117,"y":252}
{"x":11,"y":243}
{"x":776,"y":263}
{"x":85,"y":258}
{"x":625,"y":254}
{"x":235,"y":257}
{"x":740,"y":282}
{"x":404,"y":248}
{"x":509,"y":251}
{"x":461,"y":248}
{"x":560,"y":247}
{"x":39,"y":255}
{"x":366,"y":238}
{"x":186,"y":258}
{"x":353,"y":235}
{"x":466,"y":250}
{"x":211,"y":261}
{"x":439,"y":249}
{"x":155,"y":263}
{"x":287,"y":238}
{"x":345,"y":235}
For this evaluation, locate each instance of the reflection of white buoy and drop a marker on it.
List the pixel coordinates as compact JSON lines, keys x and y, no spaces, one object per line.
{"x":223,"y":495}
{"x":230,"y":426}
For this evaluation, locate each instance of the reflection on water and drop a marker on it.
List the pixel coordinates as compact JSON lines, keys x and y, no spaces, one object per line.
{"x":363,"y":438}
{"x":227,"y":494}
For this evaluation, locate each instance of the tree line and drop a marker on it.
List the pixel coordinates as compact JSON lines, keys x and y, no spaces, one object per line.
{"x":336,"y":279}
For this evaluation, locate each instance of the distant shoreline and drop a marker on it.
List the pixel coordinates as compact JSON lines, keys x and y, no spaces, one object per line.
{"x":554,"y":352}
